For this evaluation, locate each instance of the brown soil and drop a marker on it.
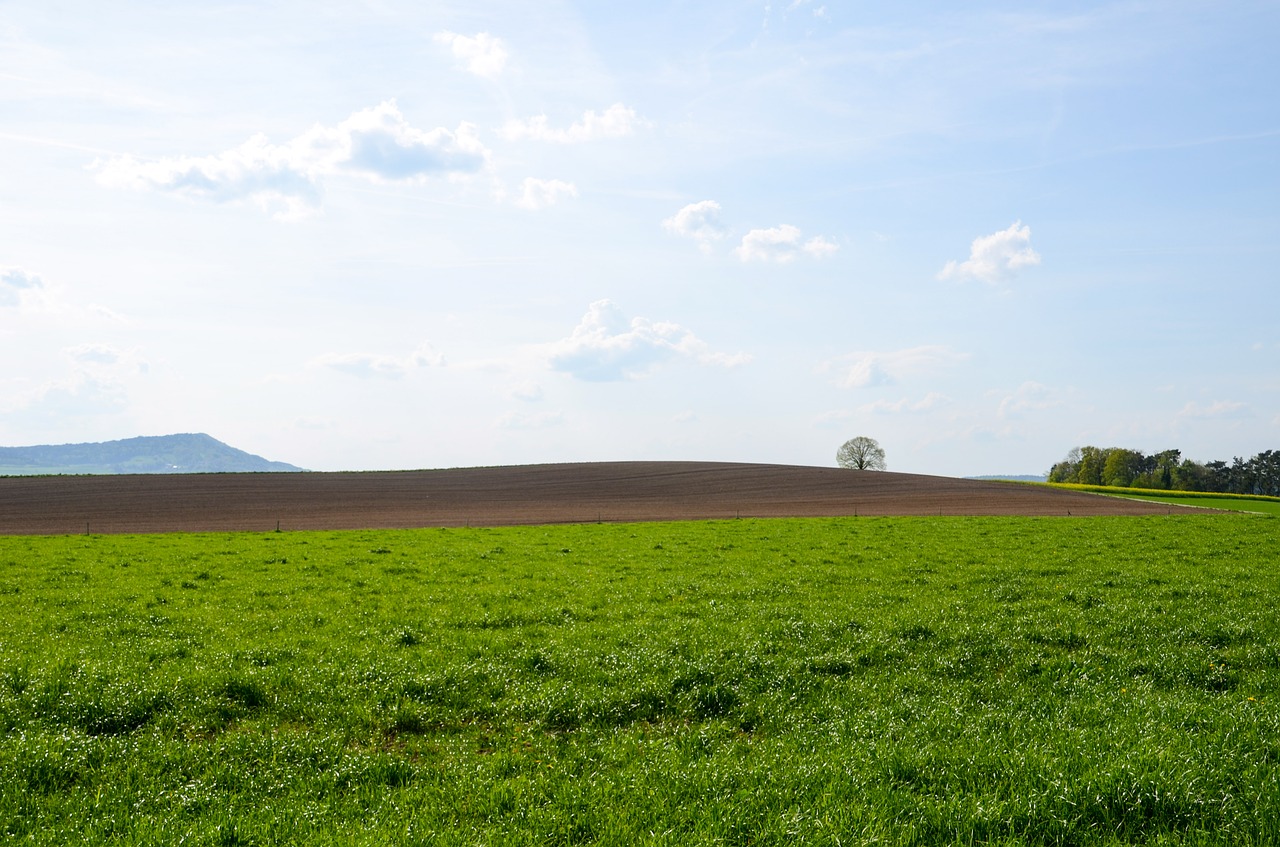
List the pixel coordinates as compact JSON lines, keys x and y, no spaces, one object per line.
{"x":530,"y":494}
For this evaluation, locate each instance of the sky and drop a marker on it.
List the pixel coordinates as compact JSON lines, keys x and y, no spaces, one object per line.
{"x":400,"y":234}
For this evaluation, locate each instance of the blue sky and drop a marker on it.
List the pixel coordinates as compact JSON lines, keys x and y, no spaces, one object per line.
{"x":383,"y":234}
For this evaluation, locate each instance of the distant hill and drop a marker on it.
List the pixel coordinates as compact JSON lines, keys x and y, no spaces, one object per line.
{"x":1012,"y":477}
{"x":160,"y":454}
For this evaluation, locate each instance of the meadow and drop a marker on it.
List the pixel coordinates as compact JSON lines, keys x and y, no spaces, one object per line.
{"x":1256,"y":503}
{"x":1040,"y":681}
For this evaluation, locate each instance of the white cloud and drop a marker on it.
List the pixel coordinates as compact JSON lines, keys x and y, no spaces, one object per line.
{"x":541,"y":193}
{"x":106,"y":314}
{"x":818,"y":12}
{"x":529,"y":392}
{"x":819,"y":247}
{"x":606,"y":347}
{"x":14,"y":282}
{"x":835,"y":417}
{"x":102,"y":354}
{"x":616,"y":121}
{"x":376,"y":143}
{"x":481,"y":54}
{"x":870,"y":369}
{"x":1217,"y":409}
{"x":724,"y":360}
{"x":782,"y":244}
{"x":367,"y":365}
{"x":995,"y":258}
{"x":1029,"y":397}
{"x":699,"y":221}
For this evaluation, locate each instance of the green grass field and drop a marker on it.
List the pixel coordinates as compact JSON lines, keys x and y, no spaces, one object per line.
{"x":1255,"y":503}
{"x":826,"y":681}
{"x":1269,"y":506}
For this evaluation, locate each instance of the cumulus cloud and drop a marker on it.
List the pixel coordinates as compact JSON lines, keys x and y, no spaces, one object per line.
{"x":615,"y":122}
{"x":819,"y":247}
{"x":481,"y":54}
{"x":782,"y":244}
{"x":1217,"y":409}
{"x":870,"y":369}
{"x":14,"y":282}
{"x":370,"y":365}
{"x":606,"y":347}
{"x":540,"y":193}
{"x":375,"y":143}
{"x":699,"y":221}
{"x":996,"y":257}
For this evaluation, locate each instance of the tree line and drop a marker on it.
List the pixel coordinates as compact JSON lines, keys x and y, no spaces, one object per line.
{"x":1167,"y":470}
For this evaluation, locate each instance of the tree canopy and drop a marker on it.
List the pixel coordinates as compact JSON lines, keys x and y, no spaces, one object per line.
{"x":1167,"y":470}
{"x":861,"y":454}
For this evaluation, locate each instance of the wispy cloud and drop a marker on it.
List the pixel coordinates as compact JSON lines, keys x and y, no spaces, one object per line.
{"x":100,"y":354}
{"x":531,"y":420}
{"x":541,"y":193}
{"x":373,"y":365}
{"x":80,"y":395}
{"x":605,"y":346}
{"x":834,"y":417}
{"x":527,"y":391}
{"x":482,"y":54}
{"x":615,"y":122}
{"x":817,"y":11}
{"x":376,"y":143}
{"x":906,"y":406}
{"x":96,"y":382}
{"x":870,"y":369}
{"x":1218,"y":409}
{"x":1029,"y":397}
{"x":995,"y":258}
{"x":14,"y":283}
{"x":782,"y":244}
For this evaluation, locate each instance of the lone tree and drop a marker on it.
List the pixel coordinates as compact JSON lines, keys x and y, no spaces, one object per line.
{"x":861,"y":454}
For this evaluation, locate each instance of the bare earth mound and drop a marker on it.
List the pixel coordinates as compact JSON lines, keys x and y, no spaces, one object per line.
{"x":530,"y":494}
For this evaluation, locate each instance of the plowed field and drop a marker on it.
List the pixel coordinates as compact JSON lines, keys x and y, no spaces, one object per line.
{"x":528,"y":494}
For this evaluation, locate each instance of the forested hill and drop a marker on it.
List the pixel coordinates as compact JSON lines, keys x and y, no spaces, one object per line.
{"x":186,"y":453}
